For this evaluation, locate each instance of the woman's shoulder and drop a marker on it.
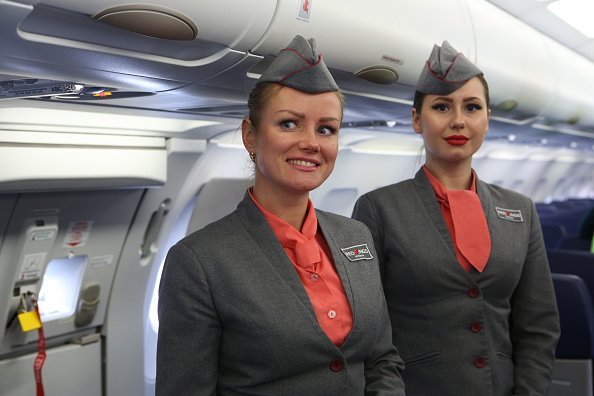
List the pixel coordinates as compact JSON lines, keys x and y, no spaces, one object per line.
{"x":338,"y":223}
{"x":337,"y":220}
{"x":218,"y":232}
{"x":397,"y":188}
{"x":497,"y":192}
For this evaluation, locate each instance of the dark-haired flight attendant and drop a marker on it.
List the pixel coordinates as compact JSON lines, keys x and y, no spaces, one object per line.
{"x":463,"y":262}
{"x":279,"y":298}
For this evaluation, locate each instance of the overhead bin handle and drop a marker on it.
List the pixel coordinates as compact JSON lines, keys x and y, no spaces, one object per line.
{"x":71,"y":29}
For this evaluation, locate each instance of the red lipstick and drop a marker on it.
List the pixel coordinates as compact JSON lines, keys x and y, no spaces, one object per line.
{"x":456,"y":140}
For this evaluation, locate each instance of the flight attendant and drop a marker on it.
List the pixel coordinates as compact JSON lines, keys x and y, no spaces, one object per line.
{"x":279,"y":298}
{"x":463,"y":262}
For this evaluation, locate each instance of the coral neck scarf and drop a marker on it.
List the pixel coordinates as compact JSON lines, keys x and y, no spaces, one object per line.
{"x":464,"y":216}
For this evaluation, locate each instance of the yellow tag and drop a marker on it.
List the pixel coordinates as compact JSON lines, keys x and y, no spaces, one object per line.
{"x":29,"y":321}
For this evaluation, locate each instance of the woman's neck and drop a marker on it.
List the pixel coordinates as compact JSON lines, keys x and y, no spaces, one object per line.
{"x":452,"y":176}
{"x":290,"y":207}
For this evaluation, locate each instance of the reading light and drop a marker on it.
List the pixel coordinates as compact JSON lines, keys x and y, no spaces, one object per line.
{"x":576,"y":13}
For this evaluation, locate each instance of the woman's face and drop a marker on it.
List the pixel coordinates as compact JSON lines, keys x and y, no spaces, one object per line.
{"x":295,"y":141}
{"x":453,"y":126}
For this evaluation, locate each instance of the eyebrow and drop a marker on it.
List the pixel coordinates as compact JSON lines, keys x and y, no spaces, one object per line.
{"x":448,"y":99}
{"x":328,"y":119}
{"x":302,"y":115}
{"x":294,"y":113}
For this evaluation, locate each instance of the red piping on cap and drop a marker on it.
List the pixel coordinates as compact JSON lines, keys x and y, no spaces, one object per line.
{"x":303,"y":68}
{"x":446,"y":73}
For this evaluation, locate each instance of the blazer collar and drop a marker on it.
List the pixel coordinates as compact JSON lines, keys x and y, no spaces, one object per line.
{"x":255,"y":223}
{"x":341,"y":263}
{"x":427,"y":196}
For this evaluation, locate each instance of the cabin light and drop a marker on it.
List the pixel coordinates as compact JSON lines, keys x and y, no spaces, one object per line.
{"x":568,"y":158}
{"x":511,"y":138}
{"x":573,"y":145}
{"x":389,"y":144}
{"x":391,"y":124}
{"x":61,"y":286}
{"x":544,"y":142}
{"x":576,"y":13}
{"x":507,"y":154}
{"x":541,"y":157}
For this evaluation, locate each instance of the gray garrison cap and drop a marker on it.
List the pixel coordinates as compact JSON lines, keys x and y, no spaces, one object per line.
{"x":445,"y":71}
{"x":299,"y":66}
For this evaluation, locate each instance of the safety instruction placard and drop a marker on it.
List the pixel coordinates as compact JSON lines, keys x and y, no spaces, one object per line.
{"x":77,"y":234}
{"x":32,"y":266}
{"x":304,"y":11}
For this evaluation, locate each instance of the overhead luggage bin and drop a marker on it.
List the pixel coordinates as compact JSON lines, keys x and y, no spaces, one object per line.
{"x":574,"y":83}
{"x":384,"y":36}
{"x":515,"y":60}
{"x":244,"y":21}
{"x":81,"y":44}
{"x":58,"y":161}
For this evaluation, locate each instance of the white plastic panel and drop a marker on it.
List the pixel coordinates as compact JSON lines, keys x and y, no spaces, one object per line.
{"x":72,"y":162}
{"x":574,"y":86}
{"x":89,"y":227}
{"x":398,"y":34}
{"x":70,"y":370}
{"x":244,"y":21}
{"x":513,"y":57}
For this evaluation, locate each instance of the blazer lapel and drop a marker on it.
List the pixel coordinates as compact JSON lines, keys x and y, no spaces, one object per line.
{"x":340,"y":261}
{"x":485,"y":198}
{"x":427,"y":196}
{"x":257,"y":227}
{"x":342,"y":266}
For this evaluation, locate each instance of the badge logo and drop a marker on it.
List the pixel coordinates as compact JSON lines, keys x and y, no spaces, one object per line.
{"x":514,"y":215}
{"x":357,"y":252}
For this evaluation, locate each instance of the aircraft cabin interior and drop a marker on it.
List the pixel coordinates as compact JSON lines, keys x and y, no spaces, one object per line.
{"x":120,"y":133}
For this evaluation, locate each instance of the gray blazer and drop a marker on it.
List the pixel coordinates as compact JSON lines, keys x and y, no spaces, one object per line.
{"x":464,"y":333}
{"x":234,"y":318}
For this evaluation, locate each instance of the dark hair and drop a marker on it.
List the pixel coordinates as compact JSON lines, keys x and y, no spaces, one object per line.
{"x":260,"y":95}
{"x":420,"y":96}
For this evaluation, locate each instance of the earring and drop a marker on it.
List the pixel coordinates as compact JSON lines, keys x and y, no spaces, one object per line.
{"x":253,"y":157}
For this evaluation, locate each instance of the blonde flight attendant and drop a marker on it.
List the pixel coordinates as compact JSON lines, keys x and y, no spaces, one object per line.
{"x":463,"y":262}
{"x":279,"y":298}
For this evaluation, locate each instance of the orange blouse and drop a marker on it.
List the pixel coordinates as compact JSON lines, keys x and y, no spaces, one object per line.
{"x":312,"y":259}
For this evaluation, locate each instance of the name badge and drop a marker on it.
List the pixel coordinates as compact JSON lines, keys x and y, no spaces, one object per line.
{"x":357,"y":252}
{"x":514,"y":215}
